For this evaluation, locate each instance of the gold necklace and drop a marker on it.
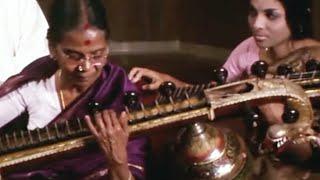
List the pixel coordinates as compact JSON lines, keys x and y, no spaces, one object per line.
{"x":61,"y":96}
{"x":266,"y":55}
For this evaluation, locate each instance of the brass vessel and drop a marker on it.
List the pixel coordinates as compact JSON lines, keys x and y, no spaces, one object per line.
{"x":202,"y":151}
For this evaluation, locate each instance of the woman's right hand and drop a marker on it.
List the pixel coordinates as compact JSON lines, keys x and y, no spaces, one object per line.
{"x":111,"y":132}
{"x":157,"y":78}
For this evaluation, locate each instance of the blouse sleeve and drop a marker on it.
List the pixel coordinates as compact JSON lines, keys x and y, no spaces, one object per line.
{"x":241,"y":59}
{"x":232,"y":66}
{"x":12,"y":105}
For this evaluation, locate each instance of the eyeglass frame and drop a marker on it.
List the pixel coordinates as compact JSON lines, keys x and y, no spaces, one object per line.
{"x":84,"y":57}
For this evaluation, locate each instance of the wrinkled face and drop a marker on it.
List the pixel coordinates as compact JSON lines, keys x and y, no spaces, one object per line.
{"x":267,"y":21}
{"x":81,"y":55}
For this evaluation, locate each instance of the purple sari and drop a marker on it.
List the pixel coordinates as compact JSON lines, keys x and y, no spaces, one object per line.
{"x":108,"y":91}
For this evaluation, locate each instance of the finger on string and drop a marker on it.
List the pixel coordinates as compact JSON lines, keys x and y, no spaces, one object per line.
{"x":114,"y":120}
{"x":133,"y":72}
{"x":90,"y":125}
{"x":99,"y":122}
{"x":137,"y":77}
{"x":124,"y":120}
{"x":107,"y":120}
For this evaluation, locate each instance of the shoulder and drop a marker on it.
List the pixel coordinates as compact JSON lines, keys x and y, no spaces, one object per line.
{"x":309,"y":45}
{"x":114,"y":69}
{"x":246,"y":50}
{"x":247,"y":45}
{"x":306,"y":43}
{"x":34,"y":87}
{"x":117,"y":74}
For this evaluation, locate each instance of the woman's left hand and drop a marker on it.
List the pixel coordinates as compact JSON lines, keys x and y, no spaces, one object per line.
{"x":112,"y":134}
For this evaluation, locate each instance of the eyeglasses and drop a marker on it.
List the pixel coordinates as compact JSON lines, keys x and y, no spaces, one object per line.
{"x":78,"y":57}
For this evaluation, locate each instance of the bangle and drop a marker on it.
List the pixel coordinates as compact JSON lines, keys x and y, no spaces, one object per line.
{"x":130,"y":176}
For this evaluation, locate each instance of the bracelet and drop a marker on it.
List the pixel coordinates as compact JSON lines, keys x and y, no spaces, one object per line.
{"x":130,"y":176}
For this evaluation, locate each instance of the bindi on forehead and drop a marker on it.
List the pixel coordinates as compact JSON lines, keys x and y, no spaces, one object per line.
{"x":90,"y":35}
{"x":87,"y":42}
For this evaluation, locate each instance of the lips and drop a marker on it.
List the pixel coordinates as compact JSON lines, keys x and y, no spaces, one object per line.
{"x":260,"y":36}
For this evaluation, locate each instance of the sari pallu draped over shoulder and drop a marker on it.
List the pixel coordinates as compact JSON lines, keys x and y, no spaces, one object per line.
{"x":108,"y":90}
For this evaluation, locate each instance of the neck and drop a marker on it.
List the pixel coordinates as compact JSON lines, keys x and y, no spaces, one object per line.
{"x":67,"y":91}
{"x":282,"y":50}
{"x":66,"y":84}
{"x":73,"y":88}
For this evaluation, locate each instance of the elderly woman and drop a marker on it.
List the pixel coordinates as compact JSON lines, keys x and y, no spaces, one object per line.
{"x":59,"y":87}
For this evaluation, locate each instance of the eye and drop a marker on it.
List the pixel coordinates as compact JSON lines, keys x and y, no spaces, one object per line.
{"x":73,"y":55}
{"x":272,"y":15}
{"x":98,"y":54}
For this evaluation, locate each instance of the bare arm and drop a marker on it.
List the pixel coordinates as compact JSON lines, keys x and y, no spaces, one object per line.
{"x":157,"y":78}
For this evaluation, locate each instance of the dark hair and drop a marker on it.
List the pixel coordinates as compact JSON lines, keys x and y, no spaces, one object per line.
{"x":66,"y":15}
{"x":298,"y":14}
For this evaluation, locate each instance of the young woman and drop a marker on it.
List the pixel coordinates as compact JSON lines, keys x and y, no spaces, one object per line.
{"x":279,"y":28}
{"x":60,"y":87}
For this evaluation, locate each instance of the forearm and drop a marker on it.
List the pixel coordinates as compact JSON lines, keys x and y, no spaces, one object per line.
{"x":176,"y":81}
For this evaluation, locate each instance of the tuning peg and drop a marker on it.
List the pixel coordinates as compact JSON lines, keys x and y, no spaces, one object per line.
{"x":284,"y":70}
{"x":290,"y":115}
{"x":259,"y":68}
{"x":167,"y":88}
{"x":220,"y":76}
{"x":131,"y":100}
{"x":252,"y":118}
{"x":312,"y":65}
{"x":94,"y":107}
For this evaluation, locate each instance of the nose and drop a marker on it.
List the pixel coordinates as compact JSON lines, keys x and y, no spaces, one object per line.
{"x":259,"y":22}
{"x":86,"y":64}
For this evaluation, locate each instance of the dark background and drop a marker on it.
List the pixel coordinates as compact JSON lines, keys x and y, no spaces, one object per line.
{"x":211,"y":22}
